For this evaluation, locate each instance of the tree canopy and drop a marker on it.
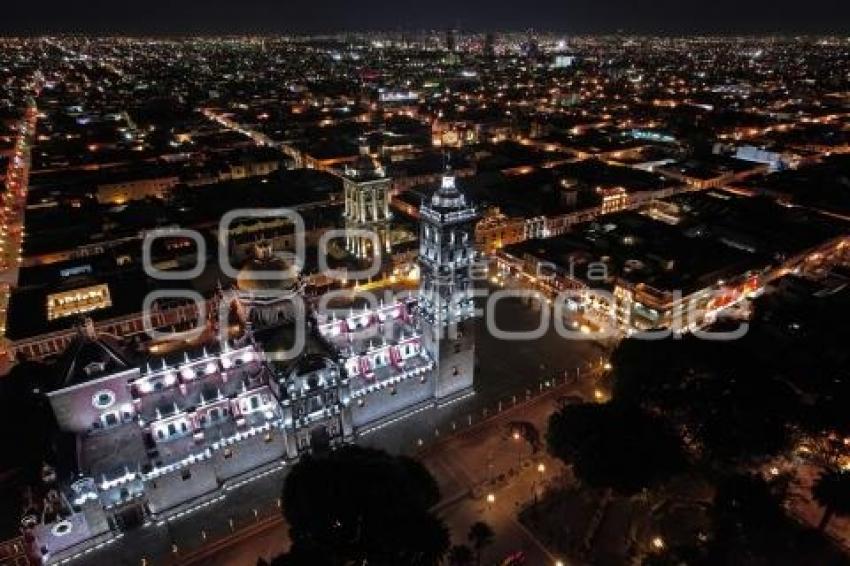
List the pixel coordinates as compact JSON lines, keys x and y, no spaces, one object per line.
{"x":358,"y":505}
{"x":732,"y":409}
{"x":27,"y":419}
{"x":832,"y":491}
{"x":751,"y":527}
{"x":480,"y":535}
{"x":615,"y":446}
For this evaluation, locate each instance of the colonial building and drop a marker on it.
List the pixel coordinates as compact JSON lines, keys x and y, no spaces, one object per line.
{"x":380,"y":352}
{"x":151,"y":438}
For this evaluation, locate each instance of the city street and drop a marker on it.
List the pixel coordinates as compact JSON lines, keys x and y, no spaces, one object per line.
{"x":489,"y":475}
{"x":12,"y":215}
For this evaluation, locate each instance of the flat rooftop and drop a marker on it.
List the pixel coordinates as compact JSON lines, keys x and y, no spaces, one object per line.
{"x":716,"y":235}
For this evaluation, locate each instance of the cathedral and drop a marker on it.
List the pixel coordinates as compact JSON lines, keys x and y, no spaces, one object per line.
{"x":152,"y":439}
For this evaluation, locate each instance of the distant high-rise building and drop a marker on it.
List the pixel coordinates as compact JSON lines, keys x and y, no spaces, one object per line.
{"x":451,"y":41}
{"x":489,"y":44}
{"x":531,"y":48}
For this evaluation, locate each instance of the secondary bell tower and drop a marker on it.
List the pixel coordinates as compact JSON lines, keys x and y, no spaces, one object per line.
{"x":446,"y":301}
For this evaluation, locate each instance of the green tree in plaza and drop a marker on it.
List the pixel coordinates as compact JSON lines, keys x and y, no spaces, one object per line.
{"x":731,"y":408}
{"x":29,"y":433}
{"x":26,"y":419}
{"x":737,"y":404}
{"x":357,"y":506}
{"x":832,"y":491}
{"x":480,"y":536}
{"x":750,"y":526}
{"x":461,"y":555}
{"x":742,"y":401}
{"x":745,"y":516}
{"x":615,"y":446}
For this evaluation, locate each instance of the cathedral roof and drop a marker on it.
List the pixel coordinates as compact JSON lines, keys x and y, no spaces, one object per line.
{"x":309,"y":363}
{"x":90,"y":355}
{"x":364,"y":168}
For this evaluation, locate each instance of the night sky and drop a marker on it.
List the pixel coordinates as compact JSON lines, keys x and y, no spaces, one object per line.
{"x":577,"y":16}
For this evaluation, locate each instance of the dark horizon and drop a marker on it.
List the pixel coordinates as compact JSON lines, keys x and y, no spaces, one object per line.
{"x":665,"y":17}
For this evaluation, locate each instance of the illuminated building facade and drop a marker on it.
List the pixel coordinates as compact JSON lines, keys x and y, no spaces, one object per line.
{"x":367,"y":206}
{"x":170,"y":432}
{"x":77,"y":301}
{"x":409,"y":354}
{"x":614,"y":199}
{"x":155,"y":436}
{"x":379,"y":350}
{"x":675,"y":264}
{"x":447,"y":257}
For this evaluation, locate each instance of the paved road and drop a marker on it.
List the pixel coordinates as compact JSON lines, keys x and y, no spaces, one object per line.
{"x":487,"y":460}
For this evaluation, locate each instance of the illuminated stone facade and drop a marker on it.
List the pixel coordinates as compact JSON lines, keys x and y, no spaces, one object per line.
{"x":447,"y":259}
{"x":367,"y":207}
{"x":78,"y":301}
{"x":156,"y":437}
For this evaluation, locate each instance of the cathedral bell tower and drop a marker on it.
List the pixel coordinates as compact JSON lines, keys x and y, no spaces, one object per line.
{"x":367,"y":205}
{"x":446,"y":302}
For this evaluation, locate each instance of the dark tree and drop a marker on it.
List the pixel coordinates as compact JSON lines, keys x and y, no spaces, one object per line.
{"x":751,"y":527}
{"x":461,"y":555}
{"x":733,"y":409}
{"x":480,"y":536}
{"x":26,"y":418}
{"x":615,"y":446}
{"x":746,"y":515}
{"x":357,"y":505}
{"x":832,"y":492}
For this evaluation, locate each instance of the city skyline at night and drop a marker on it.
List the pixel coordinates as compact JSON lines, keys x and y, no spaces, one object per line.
{"x":434,"y":285}
{"x":723,"y":17}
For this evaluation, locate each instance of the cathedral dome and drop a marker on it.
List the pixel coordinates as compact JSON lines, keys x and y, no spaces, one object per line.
{"x":267,"y":272}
